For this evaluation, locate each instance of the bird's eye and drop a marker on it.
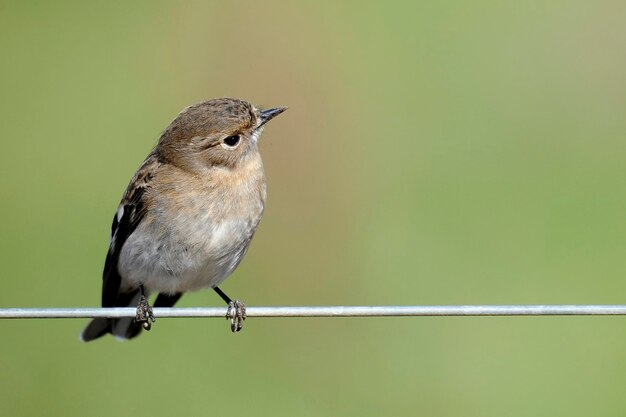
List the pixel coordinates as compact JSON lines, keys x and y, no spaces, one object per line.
{"x":232,"y":141}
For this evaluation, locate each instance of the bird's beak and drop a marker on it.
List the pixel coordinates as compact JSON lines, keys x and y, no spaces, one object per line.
{"x":267,"y":115}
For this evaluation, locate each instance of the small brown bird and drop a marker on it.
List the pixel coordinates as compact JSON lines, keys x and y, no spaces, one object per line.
{"x":188,"y":215}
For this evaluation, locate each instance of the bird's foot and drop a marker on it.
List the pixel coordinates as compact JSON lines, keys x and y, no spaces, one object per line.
{"x":236,"y":314}
{"x":144,"y":315}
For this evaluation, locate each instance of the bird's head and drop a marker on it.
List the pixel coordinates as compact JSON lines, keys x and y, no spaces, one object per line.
{"x":223,"y":132}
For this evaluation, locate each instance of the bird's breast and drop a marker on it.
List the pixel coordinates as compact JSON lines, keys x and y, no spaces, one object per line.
{"x":194,"y":233}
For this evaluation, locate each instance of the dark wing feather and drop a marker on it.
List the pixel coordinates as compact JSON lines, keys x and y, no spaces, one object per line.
{"x":131,"y":214}
{"x":125,"y":222}
{"x":128,"y":216}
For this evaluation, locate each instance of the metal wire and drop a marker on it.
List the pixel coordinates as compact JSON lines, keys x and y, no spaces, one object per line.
{"x":324,"y":311}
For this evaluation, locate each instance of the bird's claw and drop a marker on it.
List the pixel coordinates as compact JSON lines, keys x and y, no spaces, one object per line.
{"x":236,"y":313}
{"x":144,"y":315}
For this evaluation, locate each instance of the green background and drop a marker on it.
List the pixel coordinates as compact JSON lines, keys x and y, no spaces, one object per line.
{"x":433,"y":153}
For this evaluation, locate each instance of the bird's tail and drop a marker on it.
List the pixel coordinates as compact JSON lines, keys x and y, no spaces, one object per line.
{"x":124,"y":328}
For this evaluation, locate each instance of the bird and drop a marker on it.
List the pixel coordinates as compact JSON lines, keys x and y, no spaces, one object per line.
{"x":188,"y":215}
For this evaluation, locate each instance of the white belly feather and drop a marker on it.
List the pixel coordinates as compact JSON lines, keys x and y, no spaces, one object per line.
{"x":199,"y":254}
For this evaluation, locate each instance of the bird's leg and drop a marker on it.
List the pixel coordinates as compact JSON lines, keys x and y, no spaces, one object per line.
{"x":236,"y":312}
{"x":144,"y":315}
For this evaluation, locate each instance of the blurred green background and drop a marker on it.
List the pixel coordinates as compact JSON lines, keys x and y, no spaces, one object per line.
{"x":433,"y":153}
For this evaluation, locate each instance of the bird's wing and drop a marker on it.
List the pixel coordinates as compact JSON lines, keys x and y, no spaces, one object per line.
{"x":128,"y":216}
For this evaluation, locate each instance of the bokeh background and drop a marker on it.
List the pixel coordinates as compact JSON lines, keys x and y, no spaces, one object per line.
{"x":433,"y":153}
